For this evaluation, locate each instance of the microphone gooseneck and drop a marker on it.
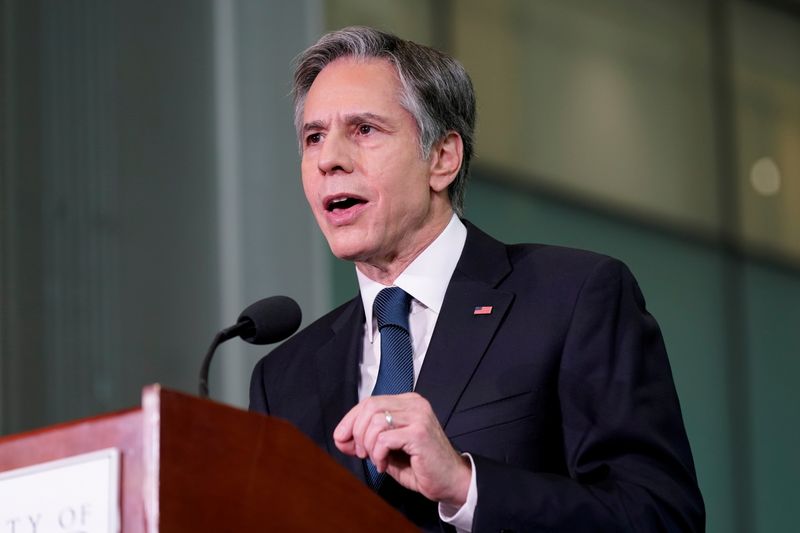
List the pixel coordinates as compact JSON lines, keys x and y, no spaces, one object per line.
{"x":266,"y":321}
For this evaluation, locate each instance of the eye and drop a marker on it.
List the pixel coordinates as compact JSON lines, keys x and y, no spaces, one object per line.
{"x":314,"y":138}
{"x":365,"y":129}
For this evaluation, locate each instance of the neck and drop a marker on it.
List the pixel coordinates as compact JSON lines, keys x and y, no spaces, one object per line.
{"x":388,"y":269}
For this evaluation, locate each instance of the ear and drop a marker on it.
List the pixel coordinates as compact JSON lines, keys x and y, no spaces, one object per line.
{"x":445,"y":161}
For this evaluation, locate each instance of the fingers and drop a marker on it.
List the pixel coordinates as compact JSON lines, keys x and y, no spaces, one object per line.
{"x":357,"y":431}
{"x":370,"y":422}
{"x":386,"y":442}
{"x":343,"y":434}
{"x":402,"y":436}
{"x":377,"y":423}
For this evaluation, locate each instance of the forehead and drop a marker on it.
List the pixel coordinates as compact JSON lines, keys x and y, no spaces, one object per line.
{"x":354,"y":85}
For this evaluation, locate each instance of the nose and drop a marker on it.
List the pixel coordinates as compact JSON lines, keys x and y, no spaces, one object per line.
{"x":335,"y":154}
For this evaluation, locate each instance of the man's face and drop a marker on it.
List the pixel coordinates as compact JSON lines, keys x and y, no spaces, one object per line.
{"x":363,"y":173}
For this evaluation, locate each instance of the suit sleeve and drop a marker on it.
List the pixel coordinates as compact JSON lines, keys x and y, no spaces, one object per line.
{"x":258,"y":395}
{"x":626,"y":451}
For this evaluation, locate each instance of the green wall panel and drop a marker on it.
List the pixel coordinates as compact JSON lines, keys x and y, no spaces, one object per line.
{"x":773,"y":300}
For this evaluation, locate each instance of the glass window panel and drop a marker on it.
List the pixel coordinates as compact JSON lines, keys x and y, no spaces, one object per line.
{"x":410,"y":19}
{"x":606,"y":98}
{"x":766,"y":54}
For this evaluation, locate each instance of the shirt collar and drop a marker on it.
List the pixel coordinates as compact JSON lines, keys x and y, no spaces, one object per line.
{"x":426,"y":278}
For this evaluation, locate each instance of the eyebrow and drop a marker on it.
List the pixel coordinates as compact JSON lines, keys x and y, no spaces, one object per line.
{"x":351,"y":120}
{"x":313,"y":125}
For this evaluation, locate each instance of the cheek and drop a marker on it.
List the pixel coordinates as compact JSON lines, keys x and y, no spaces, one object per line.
{"x":309,"y":187}
{"x":409,"y":185}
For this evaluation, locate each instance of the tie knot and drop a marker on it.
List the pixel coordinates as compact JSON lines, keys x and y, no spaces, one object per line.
{"x":391,"y":307}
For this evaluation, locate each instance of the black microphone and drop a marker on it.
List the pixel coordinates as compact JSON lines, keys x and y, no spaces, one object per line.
{"x":266,"y":321}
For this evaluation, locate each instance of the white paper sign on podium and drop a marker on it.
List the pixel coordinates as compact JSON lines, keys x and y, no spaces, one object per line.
{"x":74,"y":494}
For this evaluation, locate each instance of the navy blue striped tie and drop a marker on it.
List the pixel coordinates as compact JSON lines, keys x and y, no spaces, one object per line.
{"x":396,"y":373}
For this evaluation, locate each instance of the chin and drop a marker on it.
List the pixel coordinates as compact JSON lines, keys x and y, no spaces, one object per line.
{"x":347,"y":244}
{"x":347,"y":251}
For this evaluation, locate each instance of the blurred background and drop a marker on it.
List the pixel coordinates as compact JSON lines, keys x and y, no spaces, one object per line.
{"x":149,"y":191}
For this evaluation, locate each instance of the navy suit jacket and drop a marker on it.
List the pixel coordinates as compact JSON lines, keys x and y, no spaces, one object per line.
{"x":562,"y":394}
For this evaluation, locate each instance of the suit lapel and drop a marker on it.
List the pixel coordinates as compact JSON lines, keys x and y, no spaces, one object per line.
{"x":461,"y":337}
{"x":337,"y":377}
{"x":458,"y":343}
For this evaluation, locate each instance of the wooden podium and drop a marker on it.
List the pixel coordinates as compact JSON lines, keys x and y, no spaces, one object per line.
{"x":192,"y":465}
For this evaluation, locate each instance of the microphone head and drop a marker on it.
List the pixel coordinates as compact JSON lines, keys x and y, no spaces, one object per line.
{"x":274,"y":319}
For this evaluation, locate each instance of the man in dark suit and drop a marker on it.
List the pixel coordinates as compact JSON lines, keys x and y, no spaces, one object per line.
{"x":542,"y":395}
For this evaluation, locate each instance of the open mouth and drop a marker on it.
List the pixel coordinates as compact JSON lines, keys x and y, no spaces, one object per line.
{"x":342,"y":203}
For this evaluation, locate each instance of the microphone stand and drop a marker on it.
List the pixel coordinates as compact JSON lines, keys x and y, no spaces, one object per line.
{"x":236,"y":330}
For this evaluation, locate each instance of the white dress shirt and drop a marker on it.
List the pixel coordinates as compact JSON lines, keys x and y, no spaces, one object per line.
{"x":426,"y":280}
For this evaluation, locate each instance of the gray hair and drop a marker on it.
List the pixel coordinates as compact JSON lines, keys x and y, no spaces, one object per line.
{"x":436,"y":89}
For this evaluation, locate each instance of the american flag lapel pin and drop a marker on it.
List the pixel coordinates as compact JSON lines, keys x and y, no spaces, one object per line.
{"x":482,"y":310}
